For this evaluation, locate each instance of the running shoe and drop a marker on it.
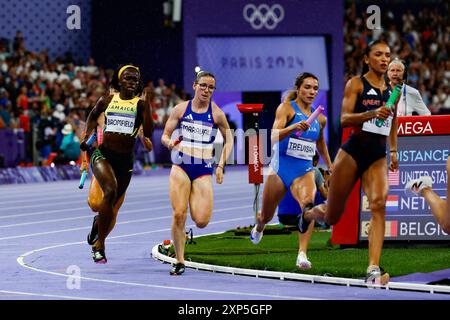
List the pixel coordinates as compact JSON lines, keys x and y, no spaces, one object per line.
{"x":415,"y":187}
{"x":376,"y":275}
{"x":178,"y":269}
{"x":92,"y":236}
{"x":255,"y":236}
{"x":302,"y":261}
{"x":99,"y":256}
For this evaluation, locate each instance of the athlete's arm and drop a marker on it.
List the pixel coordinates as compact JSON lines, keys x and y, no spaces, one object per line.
{"x":393,"y":142}
{"x":146,"y":142}
{"x":353,"y":89}
{"x":91,"y":122}
{"x":224,"y":127}
{"x":84,"y":164}
{"x":279,"y":132}
{"x":171,"y":124}
{"x":322,"y":144}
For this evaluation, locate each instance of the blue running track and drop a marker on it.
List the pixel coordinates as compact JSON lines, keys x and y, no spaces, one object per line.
{"x":43,"y":230}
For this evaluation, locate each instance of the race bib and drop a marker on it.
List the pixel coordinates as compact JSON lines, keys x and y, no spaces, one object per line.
{"x":195,"y":131}
{"x":120,"y":123}
{"x":385,"y":129}
{"x":301,"y":149}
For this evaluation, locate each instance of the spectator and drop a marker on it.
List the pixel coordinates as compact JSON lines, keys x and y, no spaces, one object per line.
{"x":59,"y":113}
{"x":419,"y":36}
{"x":410,"y":101}
{"x":70,"y":146}
{"x":159,"y":90}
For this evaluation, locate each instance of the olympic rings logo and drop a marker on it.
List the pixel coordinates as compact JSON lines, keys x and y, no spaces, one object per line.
{"x":263,"y":15}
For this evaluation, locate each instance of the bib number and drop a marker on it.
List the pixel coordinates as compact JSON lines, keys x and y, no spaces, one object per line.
{"x":120,"y":123}
{"x":301,"y":149}
{"x":385,"y":129}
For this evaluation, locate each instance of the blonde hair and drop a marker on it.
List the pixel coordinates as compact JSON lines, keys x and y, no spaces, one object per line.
{"x":397,"y":61}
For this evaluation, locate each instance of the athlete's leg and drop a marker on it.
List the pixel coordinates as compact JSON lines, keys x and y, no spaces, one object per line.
{"x":201,"y":200}
{"x":342,"y":181}
{"x":446,"y":223}
{"x":180,"y":190}
{"x":439,"y":207}
{"x":108,"y":183}
{"x":95,"y":195}
{"x":94,"y":199}
{"x":303,"y":190}
{"x":274,"y":191}
{"x":375,"y":186}
{"x":122,"y":185}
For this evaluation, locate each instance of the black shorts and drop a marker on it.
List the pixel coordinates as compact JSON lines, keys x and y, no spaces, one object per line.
{"x":121,"y":163}
{"x":364,"y":152}
{"x":289,"y":219}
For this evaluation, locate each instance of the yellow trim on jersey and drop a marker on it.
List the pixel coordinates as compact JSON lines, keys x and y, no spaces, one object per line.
{"x":119,"y":112}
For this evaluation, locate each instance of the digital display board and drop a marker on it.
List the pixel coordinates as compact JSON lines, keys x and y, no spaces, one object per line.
{"x":409,"y":217}
{"x":262,"y":63}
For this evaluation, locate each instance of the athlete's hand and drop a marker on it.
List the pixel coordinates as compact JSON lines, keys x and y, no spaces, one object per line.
{"x":147,"y":144}
{"x":394,"y":162}
{"x":84,"y":166}
{"x":301,"y":126}
{"x":219,"y":174}
{"x":383,"y":113}
{"x":174,"y":143}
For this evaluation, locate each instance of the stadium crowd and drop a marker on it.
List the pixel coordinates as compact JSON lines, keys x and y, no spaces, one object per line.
{"x":46,"y":94}
{"x":420,"y":36}
{"x":38,"y":92}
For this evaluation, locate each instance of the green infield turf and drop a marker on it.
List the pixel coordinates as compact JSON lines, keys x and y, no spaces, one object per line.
{"x":278,"y":252}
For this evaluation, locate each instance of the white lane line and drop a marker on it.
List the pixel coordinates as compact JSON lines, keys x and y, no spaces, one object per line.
{"x":122,"y":213}
{"x":218,"y":193}
{"x":45,"y":295}
{"x":21,"y":261}
{"x":125,"y":222}
{"x":63,"y":188}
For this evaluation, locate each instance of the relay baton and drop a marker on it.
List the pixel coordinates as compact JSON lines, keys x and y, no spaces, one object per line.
{"x":179,"y":139}
{"x":391,"y":101}
{"x":82,"y":179}
{"x":90,"y":141}
{"x":311,"y":118}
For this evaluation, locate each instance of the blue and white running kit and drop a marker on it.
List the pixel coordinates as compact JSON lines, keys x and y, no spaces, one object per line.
{"x":292,"y":156}
{"x":198,"y":130}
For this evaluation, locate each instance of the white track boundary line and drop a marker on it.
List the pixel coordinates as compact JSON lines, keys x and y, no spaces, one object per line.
{"x":301,"y":277}
{"x":21,"y":261}
{"x":124,"y":212}
{"x":126,"y":204}
{"x":13,"y":189}
{"x":119,"y":223}
{"x":134,"y":195}
{"x":46,"y":295}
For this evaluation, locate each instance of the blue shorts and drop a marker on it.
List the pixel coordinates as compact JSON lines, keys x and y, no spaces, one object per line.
{"x":194,"y":167}
{"x":290,"y":168}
